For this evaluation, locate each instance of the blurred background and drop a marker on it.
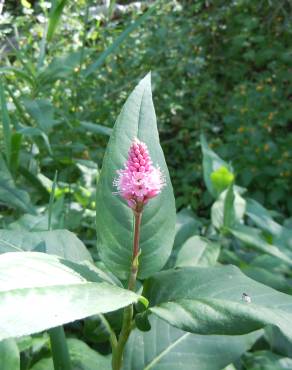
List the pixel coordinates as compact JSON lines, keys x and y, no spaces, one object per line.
{"x":221,"y":67}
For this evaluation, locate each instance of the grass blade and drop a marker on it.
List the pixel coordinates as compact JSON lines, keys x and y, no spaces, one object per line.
{"x":6,"y":125}
{"x":54,"y":18}
{"x":89,"y":70}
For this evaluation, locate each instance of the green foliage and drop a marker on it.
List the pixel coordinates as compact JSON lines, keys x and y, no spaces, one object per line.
{"x":166,"y":346}
{"x":9,"y":354}
{"x":209,"y":301}
{"x":114,"y":219}
{"x":63,"y":294}
{"x":220,"y":71}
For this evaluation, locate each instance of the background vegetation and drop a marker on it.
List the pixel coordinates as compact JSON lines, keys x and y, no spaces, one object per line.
{"x":218,"y":67}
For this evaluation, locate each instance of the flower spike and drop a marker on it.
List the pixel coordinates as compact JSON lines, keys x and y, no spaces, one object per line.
{"x":139,"y":181}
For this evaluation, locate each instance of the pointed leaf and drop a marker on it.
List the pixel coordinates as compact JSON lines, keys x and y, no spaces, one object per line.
{"x":38,"y":292}
{"x":252,"y":237}
{"x":62,"y":243}
{"x":10,"y":194}
{"x":209,"y":301}
{"x":211,"y":162}
{"x":165,"y":347}
{"x":228,"y":209}
{"x":114,"y":219}
{"x":82,"y":358}
{"x":197,"y":251}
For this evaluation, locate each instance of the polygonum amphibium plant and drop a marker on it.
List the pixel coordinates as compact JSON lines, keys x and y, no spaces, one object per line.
{"x":180,"y":305}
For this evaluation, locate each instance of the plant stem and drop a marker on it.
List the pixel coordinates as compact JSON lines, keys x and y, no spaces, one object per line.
{"x":59,"y":349}
{"x":117,"y":357}
{"x":112,"y":335}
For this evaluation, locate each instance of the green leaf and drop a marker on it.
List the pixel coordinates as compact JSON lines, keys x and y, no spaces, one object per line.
{"x":186,"y":226}
{"x":228,"y":209}
{"x":118,"y":41}
{"x":54,"y":18}
{"x":197,"y":251}
{"x":261,"y":217}
{"x":10,"y":194}
{"x":5,"y":124}
{"x":95,"y":128}
{"x":21,"y":74}
{"x":42,"y":111}
{"x":60,"y":68}
{"x":44,"y":364}
{"x":39,"y":222}
{"x":209,"y":301}
{"x":114,"y":219}
{"x":16,"y":139}
{"x":61,"y":292}
{"x":252,"y":237}
{"x":82,"y":358}
{"x":278,"y":342}
{"x":270,"y":278}
{"x":165,"y":347}
{"x":9,"y":355}
{"x":62,"y":243}
{"x":266,"y":360}
{"x":211,"y":162}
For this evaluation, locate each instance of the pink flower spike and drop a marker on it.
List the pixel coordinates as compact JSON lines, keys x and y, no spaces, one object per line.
{"x":139,"y":181}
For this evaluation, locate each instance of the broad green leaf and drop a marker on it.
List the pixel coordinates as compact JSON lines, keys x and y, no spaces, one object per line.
{"x":228,"y":209}
{"x":278,"y":342}
{"x":211,"y":162}
{"x":82,"y":358}
{"x":10,"y":194}
{"x":197,"y":251}
{"x":270,"y":278}
{"x":165,"y":347}
{"x":186,"y":226}
{"x":62,"y":243}
{"x":209,"y":301}
{"x":266,"y":360}
{"x":85,"y":358}
{"x":9,"y":355}
{"x":39,"y":291}
{"x":114,"y":219}
{"x":261,"y":217}
{"x":44,"y":364}
{"x":252,"y":237}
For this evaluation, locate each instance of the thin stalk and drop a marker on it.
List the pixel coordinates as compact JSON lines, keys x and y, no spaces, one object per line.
{"x":60,"y":353}
{"x":117,"y":357}
{"x":59,"y":348}
{"x":112,"y":335}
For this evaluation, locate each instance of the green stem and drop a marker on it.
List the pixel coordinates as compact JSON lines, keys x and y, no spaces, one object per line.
{"x":117,"y":357}
{"x":59,"y":349}
{"x":112,"y":335}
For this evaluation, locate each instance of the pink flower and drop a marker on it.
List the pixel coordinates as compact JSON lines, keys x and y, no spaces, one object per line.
{"x":139,"y":181}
